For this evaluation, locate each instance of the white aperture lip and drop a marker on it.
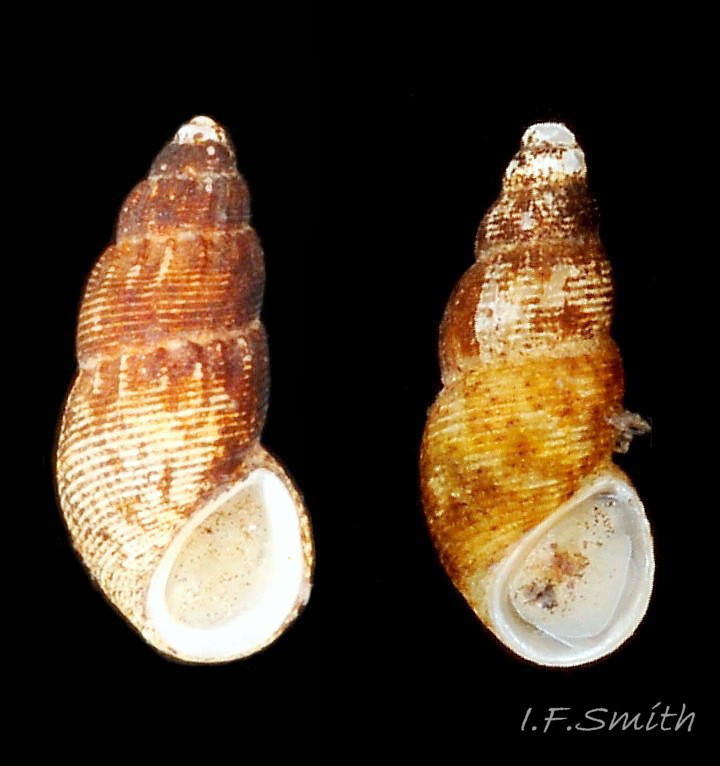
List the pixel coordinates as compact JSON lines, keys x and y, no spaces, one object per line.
{"x":578,"y":585}
{"x":233,"y":576}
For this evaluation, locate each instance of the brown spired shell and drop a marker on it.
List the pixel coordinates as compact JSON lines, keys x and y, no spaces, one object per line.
{"x":192,"y":530}
{"x":516,"y":463}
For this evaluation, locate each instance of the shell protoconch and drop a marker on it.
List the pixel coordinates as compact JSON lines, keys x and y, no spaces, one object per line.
{"x":192,"y":530}
{"x":543,"y":535}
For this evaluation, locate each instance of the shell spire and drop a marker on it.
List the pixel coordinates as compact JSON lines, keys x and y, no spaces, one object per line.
{"x":541,"y":283}
{"x":544,"y":193}
{"x":192,"y":183}
{"x":541,"y":532}
{"x":189,"y":526}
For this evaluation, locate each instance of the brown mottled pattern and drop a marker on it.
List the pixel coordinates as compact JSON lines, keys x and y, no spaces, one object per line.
{"x":531,"y":375}
{"x":187,"y":188}
{"x":146,"y":292}
{"x":172,"y":390}
{"x":562,"y":210}
{"x":561,"y":294}
{"x":506,"y":444}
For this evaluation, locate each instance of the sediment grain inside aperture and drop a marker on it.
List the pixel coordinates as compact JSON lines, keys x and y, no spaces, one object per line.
{"x":223,"y":567}
{"x":572,"y":581}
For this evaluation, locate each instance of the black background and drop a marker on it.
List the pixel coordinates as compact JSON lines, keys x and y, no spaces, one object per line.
{"x":368,"y":178}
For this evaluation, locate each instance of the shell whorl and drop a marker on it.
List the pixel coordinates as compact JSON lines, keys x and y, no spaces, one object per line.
{"x":171,"y":394}
{"x":532,"y":380}
{"x":541,"y":284}
{"x":186,"y":264}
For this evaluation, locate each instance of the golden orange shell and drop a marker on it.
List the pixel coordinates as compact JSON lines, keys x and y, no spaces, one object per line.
{"x":171,"y":394}
{"x":532,"y":380}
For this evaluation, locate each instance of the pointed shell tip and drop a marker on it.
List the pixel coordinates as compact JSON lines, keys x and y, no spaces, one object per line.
{"x":554,"y":133}
{"x":201,"y":130}
{"x":548,"y":150}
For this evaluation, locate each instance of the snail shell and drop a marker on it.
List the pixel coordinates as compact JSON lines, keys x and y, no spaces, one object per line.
{"x":192,"y":530}
{"x":543,"y":535}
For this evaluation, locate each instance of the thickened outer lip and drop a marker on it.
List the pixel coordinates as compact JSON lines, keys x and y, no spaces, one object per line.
{"x":528,"y":641}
